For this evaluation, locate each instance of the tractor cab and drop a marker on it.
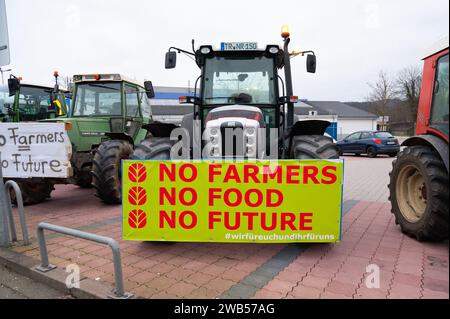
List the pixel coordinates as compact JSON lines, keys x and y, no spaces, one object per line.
{"x":24,"y":102}
{"x":106,"y":106}
{"x":237,"y":78}
{"x":239,"y":94}
{"x":241,"y":89}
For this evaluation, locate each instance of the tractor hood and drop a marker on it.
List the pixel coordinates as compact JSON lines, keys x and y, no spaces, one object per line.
{"x":236,"y":113}
{"x":86,"y":132}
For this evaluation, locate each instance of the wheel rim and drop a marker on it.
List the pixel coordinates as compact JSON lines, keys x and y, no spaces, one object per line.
{"x":411,"y":193}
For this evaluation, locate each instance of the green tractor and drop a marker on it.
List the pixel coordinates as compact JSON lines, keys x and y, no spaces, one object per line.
{"x":23,"y":102}
{"x":241,"y":90}
{"x":107,"y":117}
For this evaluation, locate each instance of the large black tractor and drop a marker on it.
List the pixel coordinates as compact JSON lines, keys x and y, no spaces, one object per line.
{"x":243,"y":109}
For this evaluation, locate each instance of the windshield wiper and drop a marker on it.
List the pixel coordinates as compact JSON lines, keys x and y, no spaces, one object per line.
{"x":104,"y":87}
{"x":217,"y":98}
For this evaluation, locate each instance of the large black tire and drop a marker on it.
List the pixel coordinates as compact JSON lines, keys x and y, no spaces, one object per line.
{"x":313,"y":147}
{"x":107,"y":170}
{"x":33,"y":192}
{"x":419,"y":194}
{"x":154,"y":148}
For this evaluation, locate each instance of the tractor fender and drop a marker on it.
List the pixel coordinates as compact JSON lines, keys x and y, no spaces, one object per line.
{"x":158,"y":129}
{"x":432,"y":141}
{"x":120,"y":137}
{"x":310,"y":127}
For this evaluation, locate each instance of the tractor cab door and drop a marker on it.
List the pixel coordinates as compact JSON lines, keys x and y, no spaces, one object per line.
{"x":133,"y":115}
{"x":439,"y":118}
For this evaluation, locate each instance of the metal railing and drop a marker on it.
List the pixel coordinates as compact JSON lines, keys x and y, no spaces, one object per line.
{"x":7,"y":226}
{"x":13,"y":186}
{"x":45,"y":266}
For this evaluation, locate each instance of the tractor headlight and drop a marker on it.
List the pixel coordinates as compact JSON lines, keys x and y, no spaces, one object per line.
{"x":250,"y":151}
{"x":215,"y":152}
{"x":214,"y":140}
{"x":250,"y":131}
{"x":214,"y":131}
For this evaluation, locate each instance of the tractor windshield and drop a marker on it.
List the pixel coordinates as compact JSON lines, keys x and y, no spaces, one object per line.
{"x":242,"y":80}
{"x":98,"y":99}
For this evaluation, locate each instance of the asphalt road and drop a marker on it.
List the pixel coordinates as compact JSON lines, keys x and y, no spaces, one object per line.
{"x":14,"y":286}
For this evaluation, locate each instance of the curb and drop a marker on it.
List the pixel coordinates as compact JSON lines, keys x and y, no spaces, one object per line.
{"x":56,"y":279}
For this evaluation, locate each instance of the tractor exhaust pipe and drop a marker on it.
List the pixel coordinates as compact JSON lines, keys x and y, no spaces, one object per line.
{"x":288,"y":76}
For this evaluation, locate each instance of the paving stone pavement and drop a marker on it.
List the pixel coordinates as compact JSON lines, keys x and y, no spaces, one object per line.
{"x":408,"y":269}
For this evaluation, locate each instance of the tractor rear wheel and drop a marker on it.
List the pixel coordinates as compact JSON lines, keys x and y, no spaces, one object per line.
{"x":314,"y":147}
{"x":107,"y":170}
{"x":33,"y":192}
{"x":153,"y":149}
{"x":419,"y":194}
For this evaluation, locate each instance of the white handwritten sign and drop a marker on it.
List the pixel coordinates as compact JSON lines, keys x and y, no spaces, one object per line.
{"x":35,"y":150}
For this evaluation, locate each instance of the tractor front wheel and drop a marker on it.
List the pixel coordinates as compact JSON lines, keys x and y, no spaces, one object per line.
{"x":314,"y":147}
{"x":107,"y":170}
{"x":419,"y":194}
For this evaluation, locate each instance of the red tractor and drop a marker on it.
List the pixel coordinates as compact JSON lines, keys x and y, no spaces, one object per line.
{"x":419,"y":180}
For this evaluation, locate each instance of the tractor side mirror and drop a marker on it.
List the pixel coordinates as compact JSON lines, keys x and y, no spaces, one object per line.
{"x":13,"y":86}
{"x":149,"y":90}
{"x":311,"y":63}
{"x":171,"y":60}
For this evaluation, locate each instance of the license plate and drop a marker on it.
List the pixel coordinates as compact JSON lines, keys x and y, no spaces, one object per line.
{"x":391,"y":143}
{"x":239,"y":46}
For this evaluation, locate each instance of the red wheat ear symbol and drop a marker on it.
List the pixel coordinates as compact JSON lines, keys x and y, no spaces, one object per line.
{"x":137,"y":219}
{"x":137,"y":196}
{"x":137,"y":173}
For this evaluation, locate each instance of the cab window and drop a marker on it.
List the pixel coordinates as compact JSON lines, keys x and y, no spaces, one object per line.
{"x":145,"y":105}
{"x":132,"y":101}
{"x":440,"y":106}
{"x":98,"y":99}
{"x":6,"y":105}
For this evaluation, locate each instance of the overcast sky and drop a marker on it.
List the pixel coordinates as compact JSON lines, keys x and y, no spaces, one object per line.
{"x":353,"y":39}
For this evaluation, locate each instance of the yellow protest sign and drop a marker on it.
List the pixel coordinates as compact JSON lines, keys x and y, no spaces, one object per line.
{"x":243,"y":202}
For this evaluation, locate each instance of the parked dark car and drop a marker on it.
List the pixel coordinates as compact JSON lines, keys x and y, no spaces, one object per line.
{"x":370,"y":143}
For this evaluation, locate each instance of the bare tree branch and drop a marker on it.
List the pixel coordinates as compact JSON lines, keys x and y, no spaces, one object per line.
{"x":408,"y":85}
{"x":383,"y":91}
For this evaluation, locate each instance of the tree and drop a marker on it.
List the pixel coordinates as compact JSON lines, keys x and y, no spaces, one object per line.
{"x":383,"y":91}
{"x":408,"y":85}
